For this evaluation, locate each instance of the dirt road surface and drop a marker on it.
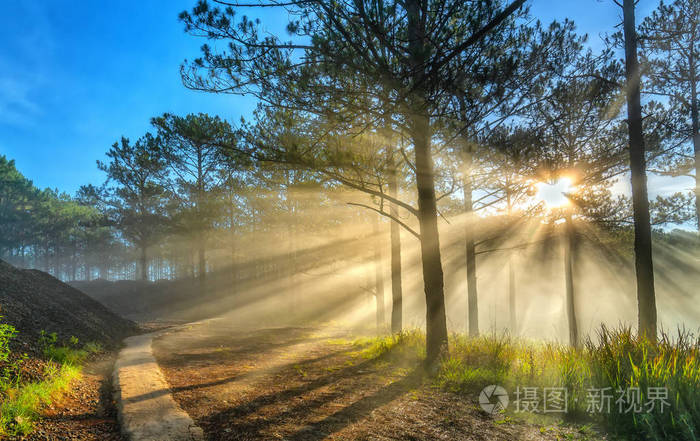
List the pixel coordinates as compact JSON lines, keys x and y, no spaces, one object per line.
{"x":308,"y":384}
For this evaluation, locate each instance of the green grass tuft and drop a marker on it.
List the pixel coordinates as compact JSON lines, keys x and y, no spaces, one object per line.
{"x":22,"y":405}
{"x":617,"y":360}
{"x":406,"y":345}
{"x":622,"y":360}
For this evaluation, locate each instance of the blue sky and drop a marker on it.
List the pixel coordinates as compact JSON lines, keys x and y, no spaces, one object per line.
{"x":73,"y":79}
{"x":76,"y":76}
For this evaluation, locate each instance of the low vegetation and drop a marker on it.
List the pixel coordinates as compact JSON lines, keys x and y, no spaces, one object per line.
{"x":21,"y":401}
{"x":612,"y":380}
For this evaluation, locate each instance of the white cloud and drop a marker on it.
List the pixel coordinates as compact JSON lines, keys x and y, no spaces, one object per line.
{"x":667,"y":185}
{"x":657,"y":185}
{"x":17,"y":107}
{"x":25,"y":61}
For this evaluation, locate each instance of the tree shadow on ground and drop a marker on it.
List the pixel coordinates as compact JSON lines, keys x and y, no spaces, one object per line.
{"x":248,"y":420}
{"x":234,"y":378}
{"x":169,"y":349}
{"x":359,"y":409}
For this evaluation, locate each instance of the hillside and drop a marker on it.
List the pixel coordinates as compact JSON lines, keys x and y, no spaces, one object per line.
{"x":33,"y":301}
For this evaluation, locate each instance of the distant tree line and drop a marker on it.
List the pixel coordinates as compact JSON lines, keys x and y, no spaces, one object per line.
{"x":178,"y":203}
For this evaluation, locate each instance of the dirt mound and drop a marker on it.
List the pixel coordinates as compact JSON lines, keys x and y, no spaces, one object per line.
{"x":33,"y":301}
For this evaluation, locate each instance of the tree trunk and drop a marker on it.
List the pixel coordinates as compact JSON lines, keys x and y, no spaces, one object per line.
{"x":102,"y":271}
{"x":511,"y":297}
{"x":472,"y":298}
{"x":57,"y":263}
{"x":288,"y":268}
{"x":144,"y":264}
{"x":643,"y":260}
{"x":569,"y":246}
{"x":232,"y":222}
{"x":695,"y":117}
{"x":74,"y":264}
{"x":378,"y":276}
{"x":201,"y":261}
{"x":201,"y":246}
{"x":435,"y":320}
{"x":234,"y":270}
{"x":396,"y":287}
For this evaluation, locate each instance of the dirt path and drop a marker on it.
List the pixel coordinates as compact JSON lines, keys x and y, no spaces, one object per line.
{"x":303,"y":384}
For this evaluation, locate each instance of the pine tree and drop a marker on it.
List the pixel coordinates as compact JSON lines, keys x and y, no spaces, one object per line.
{"x":135,"y":193}
{"x":644,"y":266}
{"x":193,"y":149}
{"x":670,"y":48}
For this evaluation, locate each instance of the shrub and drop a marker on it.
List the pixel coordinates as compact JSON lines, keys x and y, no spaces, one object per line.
{"x":70,"y":354}
{"x":7,"y":333}
{"x":9,"y":366}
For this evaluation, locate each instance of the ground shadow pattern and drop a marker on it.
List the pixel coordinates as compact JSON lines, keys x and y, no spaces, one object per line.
{"x":301,"y":384}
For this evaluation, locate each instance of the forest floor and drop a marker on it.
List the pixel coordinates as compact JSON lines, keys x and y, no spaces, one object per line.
{"x":86,"y":412}
{"x":308,"y":384}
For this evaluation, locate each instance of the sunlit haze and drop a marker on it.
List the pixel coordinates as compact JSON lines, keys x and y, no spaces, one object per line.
{"x":309,"y":220}
{"x":555,"y":194}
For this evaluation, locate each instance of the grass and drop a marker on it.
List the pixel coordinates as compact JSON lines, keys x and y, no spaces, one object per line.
{"x":71,"y":355}
{"x":21,"y":403}
{"x":621,"y":360}
{"x":406,"y":345}
{"x":600,"y":372}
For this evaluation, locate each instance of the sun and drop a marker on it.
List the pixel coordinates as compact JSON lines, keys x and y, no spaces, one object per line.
{"x":555,"y":194}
